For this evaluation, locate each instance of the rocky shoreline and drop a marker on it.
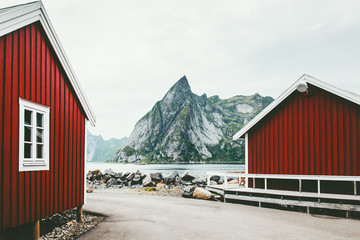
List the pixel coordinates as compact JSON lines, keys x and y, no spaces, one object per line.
{"x":173,"y":184}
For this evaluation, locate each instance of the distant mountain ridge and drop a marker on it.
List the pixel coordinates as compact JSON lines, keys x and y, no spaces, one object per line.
{"x":185,"y":127}
{"x":100,"y":150}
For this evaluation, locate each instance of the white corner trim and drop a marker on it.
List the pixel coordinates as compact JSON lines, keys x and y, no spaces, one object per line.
{"x":316,"y":82}
{"x":24,"y":104}
{"x":25,"y":14}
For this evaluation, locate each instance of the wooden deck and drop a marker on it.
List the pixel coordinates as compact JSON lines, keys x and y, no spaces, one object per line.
{"x":305,"y":200}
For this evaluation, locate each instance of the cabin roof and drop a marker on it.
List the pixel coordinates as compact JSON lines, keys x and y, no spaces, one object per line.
{"x":316,"y":82}
{"x":15,"y":17}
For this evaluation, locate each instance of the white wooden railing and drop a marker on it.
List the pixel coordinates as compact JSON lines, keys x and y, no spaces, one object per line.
{"x":300,"y":178}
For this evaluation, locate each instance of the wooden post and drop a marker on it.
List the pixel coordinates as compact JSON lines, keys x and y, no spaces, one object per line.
{"x":36,"y":229}
{"x":79,"y":213}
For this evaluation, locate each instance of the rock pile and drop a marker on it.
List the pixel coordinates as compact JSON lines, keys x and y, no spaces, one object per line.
{"x":186,"y":182}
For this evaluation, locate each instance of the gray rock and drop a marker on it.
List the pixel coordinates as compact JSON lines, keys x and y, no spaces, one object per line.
{"x":111,"y":182}
{"x":99,"y":176}
{"x":136,"y":179}
{"x":130,"y":176}
{"x":215,"y":178}
{"x":147,"y":181}
{"x":170,"y":178}
{"x":188,"y":191}
{"x":187,"y":177}
{"x":118,"y":175}
{"x":109,"y":171}
{"x":156,"y":177}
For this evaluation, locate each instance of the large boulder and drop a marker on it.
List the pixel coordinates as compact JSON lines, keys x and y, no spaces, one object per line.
{"x":110,"y":173}
{"x":188,"y":191}
{"x":156,"y":177}
{"x":136,"y":179}
{"x":130,"y":176}
{"x":111,"y":182}
{"x":171,"y":177}
{"x":200,"y":180}
{"x":118,"y":175}
{"x":188,"y":177}
{"x":99,"y":176}
{"x":202,"y":193}
{"x":147,"y":181}
{"x":215,"y":178}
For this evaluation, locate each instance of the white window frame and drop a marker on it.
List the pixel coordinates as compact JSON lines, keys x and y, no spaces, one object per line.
{"x":38,"y":164}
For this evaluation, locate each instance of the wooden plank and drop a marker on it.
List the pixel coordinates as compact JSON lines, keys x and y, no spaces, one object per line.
{"x":316,"y":133}
{"x":71,"y":168}
{"x":61,"y":142}
{"x":328,"y":136}
{"x":56,"y":140}
{"x":52,"y":135}
{"x":21,"y":176}
{"x":290,"y":157}
{"x":354,"y":157}
{"x":284,"y":202}
{"x":334,"y":134}
{"x":15,"y":131}
{"x":66,"y":146}
{"x":27,"y":62}
{"x":75,"y":189}
{"x":340,"y":139}
{"x":276,"y":144}
{"x":2,"y":82}
{"x":79,"y":214}
{"x":322,"y":120}
{"x":281,"y":143}
{"x":82,"y":161}
{"x":347,"y":149}
{"x":78,"y":159}
{"x":7,"y":133}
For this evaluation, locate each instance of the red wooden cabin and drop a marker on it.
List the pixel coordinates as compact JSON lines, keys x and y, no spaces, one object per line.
{"x":312,"y":129}
{"x":43,"y":115}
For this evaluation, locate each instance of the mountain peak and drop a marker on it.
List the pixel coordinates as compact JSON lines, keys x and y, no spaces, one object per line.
{"x":182,"y":84}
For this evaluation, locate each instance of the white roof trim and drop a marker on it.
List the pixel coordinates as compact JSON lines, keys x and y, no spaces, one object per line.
{"x":316,"y":82}
{"x":16,"y":17}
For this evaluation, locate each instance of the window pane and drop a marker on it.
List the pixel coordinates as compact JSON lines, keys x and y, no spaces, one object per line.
{"x":39,"y":119}
{"x":39,"y":135}
{"x":27,"y":136}
{"x":28,"y":115}
{"x":27,"y":150}
{"x":39,"y":151}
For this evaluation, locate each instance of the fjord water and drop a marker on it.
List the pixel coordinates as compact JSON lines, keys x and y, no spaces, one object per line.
{"x":166,"y":168}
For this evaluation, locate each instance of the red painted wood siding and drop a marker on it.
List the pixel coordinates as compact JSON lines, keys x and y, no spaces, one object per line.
{"x":30,"y":69}
{"x":315,"y":134}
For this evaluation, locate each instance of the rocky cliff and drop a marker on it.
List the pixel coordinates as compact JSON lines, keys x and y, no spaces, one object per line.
{"x":100,"y":150}
{"x":185,"y":127}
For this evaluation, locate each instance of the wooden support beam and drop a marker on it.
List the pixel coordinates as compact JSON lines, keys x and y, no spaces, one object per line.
{"x":79,"y":214}
{"x":36,"y":230}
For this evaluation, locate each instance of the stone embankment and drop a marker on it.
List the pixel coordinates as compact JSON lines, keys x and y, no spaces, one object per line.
{"x":186,"y":185}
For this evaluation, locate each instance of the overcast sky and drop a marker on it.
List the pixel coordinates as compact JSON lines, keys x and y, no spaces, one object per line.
{"x":127,"y":54}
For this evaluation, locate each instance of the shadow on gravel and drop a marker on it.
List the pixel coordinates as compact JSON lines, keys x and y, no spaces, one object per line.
{"x":61,"y":225}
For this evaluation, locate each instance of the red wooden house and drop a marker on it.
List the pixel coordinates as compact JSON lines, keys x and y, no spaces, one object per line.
{"x":43,"y":115}
{"x":310,"y":133}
